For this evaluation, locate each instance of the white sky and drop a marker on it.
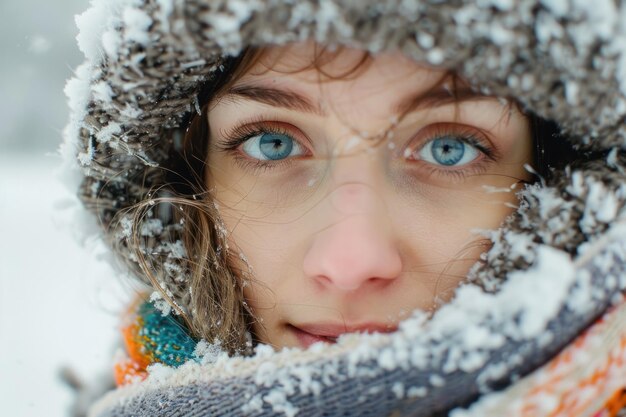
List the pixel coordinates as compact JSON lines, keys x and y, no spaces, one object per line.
{"x":38,"y":55}
{"x":59,"y":305}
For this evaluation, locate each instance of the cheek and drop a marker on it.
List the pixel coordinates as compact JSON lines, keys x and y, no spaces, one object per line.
{"x":276,"y":280}
{"x":444,"y":241}
{"x":272,"y":249}
{"x":267,"y":252}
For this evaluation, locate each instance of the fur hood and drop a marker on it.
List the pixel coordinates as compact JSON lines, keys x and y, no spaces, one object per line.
{"x":565,"y":60}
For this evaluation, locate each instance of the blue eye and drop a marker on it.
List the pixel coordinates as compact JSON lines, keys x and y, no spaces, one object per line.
{"x":448,"y":151}
{"x":271,"y":146}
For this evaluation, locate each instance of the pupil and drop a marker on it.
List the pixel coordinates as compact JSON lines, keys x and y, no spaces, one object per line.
{"x":275,"y":146}
{"x":447,"y":151}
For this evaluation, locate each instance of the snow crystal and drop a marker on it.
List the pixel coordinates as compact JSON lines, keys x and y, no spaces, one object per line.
{"x":557,"y":7}
{"x":500,"y":35}
{"x":375,"y":390}
{"x":621,"y":73}
{"x":327,"y":16}
{"x":494,"y":371}
{"x":111,"y":42}
{"x":278,"y":400}
{"x":512,"y":80}
{"x":226,"y":25}
{"x":536,"y":311}
{"x":160,"y":304}
{"x":419,"y":357}
{"x":301,"y":12}
{"x":576,"y":188}
{"x":472,"y":361}
{"x":521,"y":246}
{"x":166,"y":9}
{"x":109,"y":131}
{"x":263,"y":351}
{"x":191,"y":64}
{"x":241,"y":9}
{"x":477,"y":336}
{"x":307,"y":384}
{"x":550,"y":202}
{"x":600,"y":205}
{"x":137,"y":23}
{"x":102,"y":92}
{"x":417,"y":392}
{"x":571,"y":92}
{"x":125,"y":227}
{"x":151,"y":228}
{"x":436,"y":380}
{"x":176,"y":249}
{"x":435,"y":56}
{"x":77,"y":90}
{"x":208,"y":352}
{"x":102,"y":16}
{"x":580,"y":298}
{"x":266,"y":373}
{"x":85,"y":158}
{"x":547,"y":28}
{"x":386,"y":359}
{"x":528,"y":82}
{"x":607,"y":209}
{"x":398,"y":389}
{"x":425,"y":40}
{"x":254,"y":405}
{"x":611,"y":158}
{"x":130,"y":112}
{"x":600,"y":19}
{"x":160,"y":373}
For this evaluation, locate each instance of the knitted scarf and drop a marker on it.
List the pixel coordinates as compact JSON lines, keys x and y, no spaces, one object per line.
{"x":587,"y":378}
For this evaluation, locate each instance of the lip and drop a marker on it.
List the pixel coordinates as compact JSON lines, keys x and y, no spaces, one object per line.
{"x":310,"y":333}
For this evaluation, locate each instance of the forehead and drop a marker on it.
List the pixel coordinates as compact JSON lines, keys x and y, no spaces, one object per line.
{"x":310,"y":64}
{"x":347,"y":81}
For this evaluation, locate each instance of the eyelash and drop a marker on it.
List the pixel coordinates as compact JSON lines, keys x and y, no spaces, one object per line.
{"x":235,"y":137}
{"x":469,"y":135}
{"x":232,"y":139}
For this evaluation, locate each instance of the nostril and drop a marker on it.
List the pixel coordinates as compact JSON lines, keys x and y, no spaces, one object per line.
{"x":348,"y":284}
{"x":342,"y":283}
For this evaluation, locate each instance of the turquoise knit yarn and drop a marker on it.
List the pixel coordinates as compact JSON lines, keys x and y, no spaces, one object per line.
{"x":165,"y":338}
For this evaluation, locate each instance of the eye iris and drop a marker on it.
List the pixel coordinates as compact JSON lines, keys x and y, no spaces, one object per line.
{"x":274,"y":146}
{"x":448,"y":151}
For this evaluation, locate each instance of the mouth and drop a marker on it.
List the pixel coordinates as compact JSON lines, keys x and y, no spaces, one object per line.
{"x":308,"y":334}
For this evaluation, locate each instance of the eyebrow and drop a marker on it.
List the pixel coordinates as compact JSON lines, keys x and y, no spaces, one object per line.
{"x":274,"y":97}
{"x":437,"y":97}
{"x":291,"y":100}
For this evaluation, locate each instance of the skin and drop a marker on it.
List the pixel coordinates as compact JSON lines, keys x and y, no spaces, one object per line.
{"x":357,"y":229}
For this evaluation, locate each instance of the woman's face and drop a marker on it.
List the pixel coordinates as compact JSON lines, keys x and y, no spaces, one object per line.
{"x":352,"y":200}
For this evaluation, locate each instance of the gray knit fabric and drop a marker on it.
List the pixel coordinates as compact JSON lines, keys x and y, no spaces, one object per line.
{"x":563,"y":60}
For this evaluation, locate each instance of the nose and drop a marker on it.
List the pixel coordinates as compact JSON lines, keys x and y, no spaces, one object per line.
{"x":357,"y":248}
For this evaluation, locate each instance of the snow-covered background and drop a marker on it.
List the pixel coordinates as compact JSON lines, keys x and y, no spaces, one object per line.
{"x":59,"y":303}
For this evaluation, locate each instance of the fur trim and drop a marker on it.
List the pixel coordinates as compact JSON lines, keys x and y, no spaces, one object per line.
{"x":565,"y":62}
